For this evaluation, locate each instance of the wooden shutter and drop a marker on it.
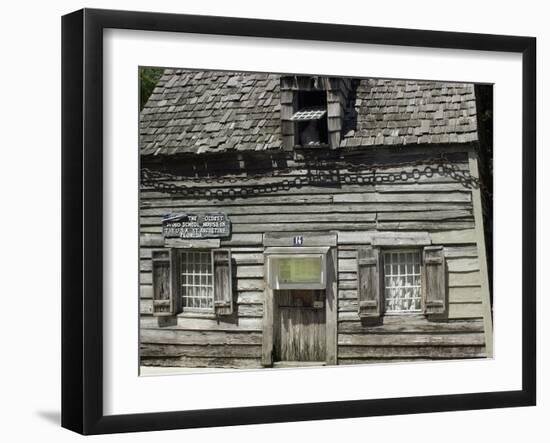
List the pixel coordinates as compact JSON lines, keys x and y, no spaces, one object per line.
{"x":288,"y":105}
{"x":436,"y":281}
{"x":334,"y":113}
{"x":165,"y":287}
{"x":368,"y":284}
{"x":223,"y":285}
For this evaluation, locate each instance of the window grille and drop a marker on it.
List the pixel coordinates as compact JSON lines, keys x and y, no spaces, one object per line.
{"x":402,"y":281}
{"x":197,"y":290}
{"x":313,"y":113}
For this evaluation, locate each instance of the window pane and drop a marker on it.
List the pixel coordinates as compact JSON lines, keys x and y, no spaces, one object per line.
{"x":196,"y":280}
{"x":298,"y":270}
{"x":402,"y":287}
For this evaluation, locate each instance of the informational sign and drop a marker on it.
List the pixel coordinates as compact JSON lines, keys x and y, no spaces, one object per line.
{"x":196,"y":225}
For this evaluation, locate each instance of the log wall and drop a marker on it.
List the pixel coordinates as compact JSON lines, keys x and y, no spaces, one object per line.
{"x":439,"y":206}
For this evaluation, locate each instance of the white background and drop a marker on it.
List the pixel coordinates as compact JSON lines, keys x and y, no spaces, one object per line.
{"x":124,"y":51}
{"x":30,"y":186}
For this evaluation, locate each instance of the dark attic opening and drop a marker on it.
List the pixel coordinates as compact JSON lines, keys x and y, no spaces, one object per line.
{"x":310,"y":119}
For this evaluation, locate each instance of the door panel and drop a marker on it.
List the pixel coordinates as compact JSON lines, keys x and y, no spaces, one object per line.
{"x":300,"y":335}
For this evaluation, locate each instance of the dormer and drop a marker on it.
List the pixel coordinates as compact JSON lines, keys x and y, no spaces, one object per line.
{"x":312,"y":111}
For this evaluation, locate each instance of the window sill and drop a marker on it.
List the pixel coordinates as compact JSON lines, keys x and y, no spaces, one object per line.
{"x":312,"y":147}
{"x":400,"y":314}
{"x":197,"y":314}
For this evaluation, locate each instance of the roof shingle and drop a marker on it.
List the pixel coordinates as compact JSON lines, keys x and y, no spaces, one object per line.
{"x":215,"y":111}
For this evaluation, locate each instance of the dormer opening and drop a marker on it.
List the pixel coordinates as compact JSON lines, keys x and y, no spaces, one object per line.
{"x":312,"y":111}
{"x":310,"y":118}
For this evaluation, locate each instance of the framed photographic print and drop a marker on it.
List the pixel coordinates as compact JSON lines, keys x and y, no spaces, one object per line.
{"x":273,"y":221}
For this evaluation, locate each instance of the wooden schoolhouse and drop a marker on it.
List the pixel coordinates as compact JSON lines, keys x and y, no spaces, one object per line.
{"x":308,"y":220}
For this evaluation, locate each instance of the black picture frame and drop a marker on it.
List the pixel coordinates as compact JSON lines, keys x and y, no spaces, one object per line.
{"x":82,"y":215}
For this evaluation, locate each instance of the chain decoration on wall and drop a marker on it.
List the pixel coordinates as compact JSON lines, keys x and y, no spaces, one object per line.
{"x":357,"y":174}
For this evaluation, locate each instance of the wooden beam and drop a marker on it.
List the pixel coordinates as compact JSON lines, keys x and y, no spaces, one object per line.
{"x":453,"y":237}
{"x":331,"y":332}
{"x":192,"y":243}
{"x":481,"y":253}
{"x":401,"y":239}
{"x":430,"y":339}
{"x":267,"y":326}
{"x":309,"y":238}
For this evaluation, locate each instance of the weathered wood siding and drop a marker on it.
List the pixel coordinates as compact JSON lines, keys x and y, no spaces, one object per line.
{"x":438,"y":204}
{"x":412,"y":337}
{"x":197,"y":340}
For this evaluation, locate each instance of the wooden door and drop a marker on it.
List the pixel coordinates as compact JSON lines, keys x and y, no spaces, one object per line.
{"x":300,"y":327}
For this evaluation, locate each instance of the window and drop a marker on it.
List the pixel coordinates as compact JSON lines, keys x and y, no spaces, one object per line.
{"x":197,"y":289}
{"x":198,"y":281}
{"x":402,"y":281}
{"x":310,"y":118}
{"x":397,"y":281}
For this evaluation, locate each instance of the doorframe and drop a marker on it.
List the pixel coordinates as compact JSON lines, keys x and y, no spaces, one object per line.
{"x":322,"y":240}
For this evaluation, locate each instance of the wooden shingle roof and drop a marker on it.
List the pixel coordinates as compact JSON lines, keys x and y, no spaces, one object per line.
{"x":214,"y":111}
